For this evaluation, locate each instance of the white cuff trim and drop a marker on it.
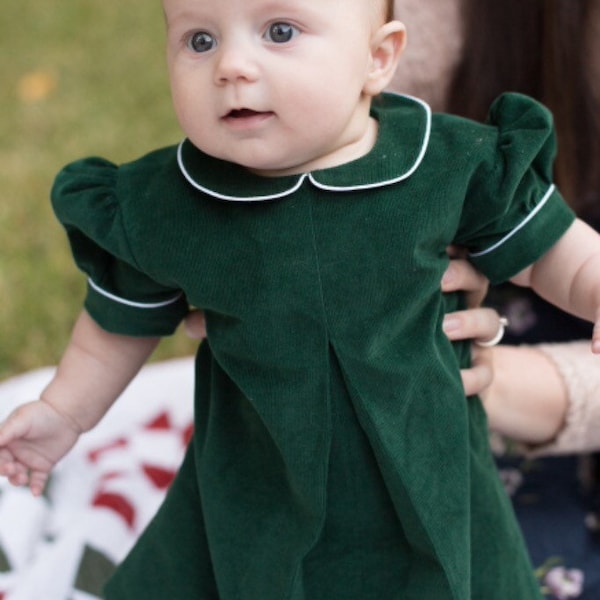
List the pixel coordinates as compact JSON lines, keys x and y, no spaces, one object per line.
{"x":520,"y":226}
{"x":144,"y":305}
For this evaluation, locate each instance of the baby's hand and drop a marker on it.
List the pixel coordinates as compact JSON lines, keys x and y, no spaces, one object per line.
{"x":33,"y":439}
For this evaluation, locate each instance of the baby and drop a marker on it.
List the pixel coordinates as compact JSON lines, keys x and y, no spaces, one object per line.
{"x":307,"y":214}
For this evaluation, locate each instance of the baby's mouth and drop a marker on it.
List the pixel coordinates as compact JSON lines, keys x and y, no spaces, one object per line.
{"x":241,"y":113}
{"x":246,"y":114}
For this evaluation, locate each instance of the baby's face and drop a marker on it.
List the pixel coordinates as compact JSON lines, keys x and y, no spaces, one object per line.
{"x":274,"y":85}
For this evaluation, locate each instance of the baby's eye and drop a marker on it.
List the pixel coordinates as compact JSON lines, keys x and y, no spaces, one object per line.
{"x":201,"y":41}
{"x":280,"y":33}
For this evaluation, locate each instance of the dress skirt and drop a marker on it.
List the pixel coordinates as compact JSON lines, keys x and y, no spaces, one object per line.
{"x":361,"y":553}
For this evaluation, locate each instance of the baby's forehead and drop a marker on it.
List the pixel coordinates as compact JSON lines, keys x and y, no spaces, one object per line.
{"x":378,"y":9}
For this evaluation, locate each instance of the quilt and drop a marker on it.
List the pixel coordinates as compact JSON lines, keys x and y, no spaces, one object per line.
{"x":64,"y":545}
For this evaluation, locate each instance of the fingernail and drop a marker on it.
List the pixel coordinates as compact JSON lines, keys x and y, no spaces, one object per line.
{"x":450,"y":324}
{"x":448,"y":276}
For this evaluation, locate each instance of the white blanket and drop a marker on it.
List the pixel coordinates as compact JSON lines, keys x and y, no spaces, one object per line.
{"x":65,"y":545}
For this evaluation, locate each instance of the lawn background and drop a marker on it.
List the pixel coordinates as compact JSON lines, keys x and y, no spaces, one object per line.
{"x":78,"y":78}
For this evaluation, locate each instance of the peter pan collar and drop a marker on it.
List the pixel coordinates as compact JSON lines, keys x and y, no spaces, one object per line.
{"x":404,"y":130}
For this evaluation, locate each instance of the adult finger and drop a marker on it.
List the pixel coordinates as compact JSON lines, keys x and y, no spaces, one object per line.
{"x":462,"y":276}
{"x":195,"y":325}
{"x":479,"y":376}
{"x":473,"y":324}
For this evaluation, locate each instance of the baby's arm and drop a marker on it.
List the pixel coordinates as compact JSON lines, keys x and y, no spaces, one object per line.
{"x":568,"y":275}
{"x":96,"y":367}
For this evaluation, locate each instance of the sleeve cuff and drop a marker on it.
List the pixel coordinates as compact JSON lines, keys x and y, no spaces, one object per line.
{"x":580,"y":371}
{"x":140,"y":319}
{"x":527,"y":242}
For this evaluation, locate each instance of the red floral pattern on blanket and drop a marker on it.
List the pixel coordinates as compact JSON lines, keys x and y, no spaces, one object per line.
{"x":160,"y":432}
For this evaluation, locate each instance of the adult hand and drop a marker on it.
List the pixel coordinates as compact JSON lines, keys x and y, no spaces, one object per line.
{"x":476,"y":323}
{"x":521,"y":389}
{"x":461,"y":276}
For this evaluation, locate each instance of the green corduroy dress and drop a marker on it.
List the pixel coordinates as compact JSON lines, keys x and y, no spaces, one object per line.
{"x":335,"y":456}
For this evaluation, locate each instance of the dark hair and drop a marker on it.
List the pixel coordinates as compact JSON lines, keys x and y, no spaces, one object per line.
{"x":537,"y":47}
{"x":389,"y":10}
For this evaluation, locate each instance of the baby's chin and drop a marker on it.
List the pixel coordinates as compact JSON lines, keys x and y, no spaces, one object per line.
{"x":266,"y":167}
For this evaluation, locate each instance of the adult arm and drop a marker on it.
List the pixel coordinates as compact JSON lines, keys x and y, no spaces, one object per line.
{"x":527,"y":400}
{"x":578,"y":398}
{"x":546,"y":396}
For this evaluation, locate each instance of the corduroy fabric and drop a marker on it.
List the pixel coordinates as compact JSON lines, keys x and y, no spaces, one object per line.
{"x":324,"y":351}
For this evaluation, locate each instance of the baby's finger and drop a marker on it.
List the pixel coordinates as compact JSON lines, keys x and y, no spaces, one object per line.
{"x":14,"y":471}
{"x":19,"y":478}
{"x":37,"y":482}
{"x":7,"y":463}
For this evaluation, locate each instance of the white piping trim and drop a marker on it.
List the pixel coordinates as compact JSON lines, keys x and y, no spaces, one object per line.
{"x":522,"y":224}
{"x":322,"y":186}
{"x":210,"y":192}
{"x":417,"y":163}
{"x":145,"y":305}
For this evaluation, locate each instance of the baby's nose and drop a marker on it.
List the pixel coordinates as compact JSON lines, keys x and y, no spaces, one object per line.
{"x":235,"y":63}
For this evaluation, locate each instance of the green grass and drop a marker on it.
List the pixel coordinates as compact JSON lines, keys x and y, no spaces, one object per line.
{"x":79,"y":78}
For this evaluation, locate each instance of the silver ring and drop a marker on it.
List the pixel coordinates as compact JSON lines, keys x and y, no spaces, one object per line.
{"x":502,"y":325}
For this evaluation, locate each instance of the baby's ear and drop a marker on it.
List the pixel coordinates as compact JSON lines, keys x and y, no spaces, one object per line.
{"x":387,"y":45}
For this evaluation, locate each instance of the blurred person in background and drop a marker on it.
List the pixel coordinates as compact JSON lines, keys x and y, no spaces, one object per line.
{"x":546,"y":393}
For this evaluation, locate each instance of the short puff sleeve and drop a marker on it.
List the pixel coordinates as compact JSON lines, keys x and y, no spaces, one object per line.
{"x":515,"y":212}
{"x":120,"y":297}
